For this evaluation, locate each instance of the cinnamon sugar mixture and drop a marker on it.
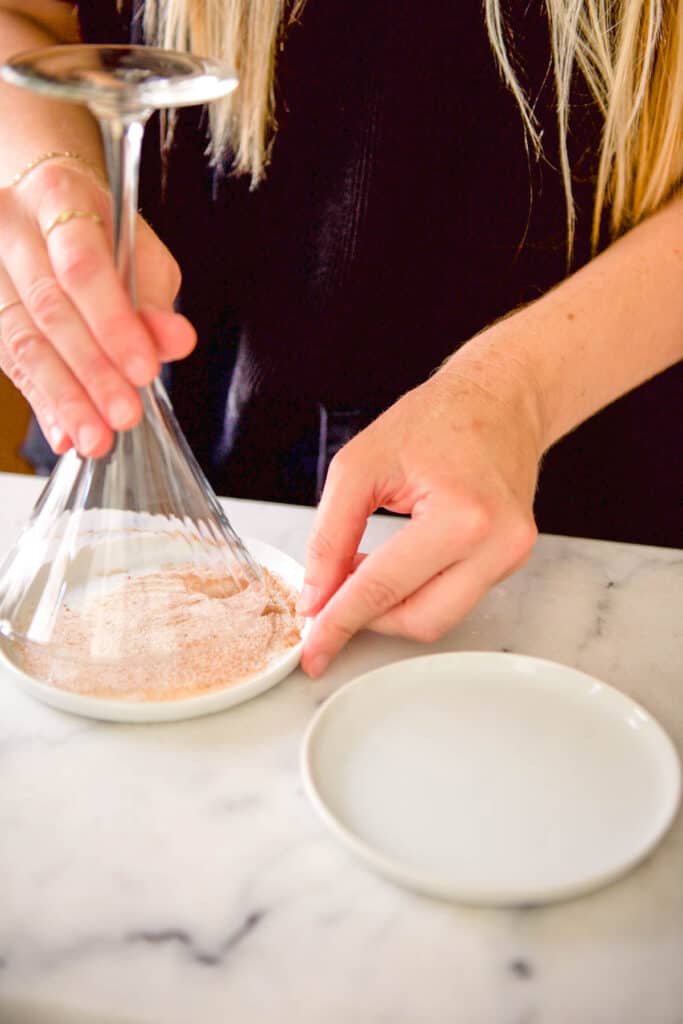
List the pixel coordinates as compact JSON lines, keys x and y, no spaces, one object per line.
{"x":169,"y":634}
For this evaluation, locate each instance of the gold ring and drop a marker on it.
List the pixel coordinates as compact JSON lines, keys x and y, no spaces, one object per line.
{"x":66,"y":215}
{"x":4,"y":306}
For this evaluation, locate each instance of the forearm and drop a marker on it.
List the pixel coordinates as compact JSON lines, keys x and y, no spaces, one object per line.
{"x":31,"y":124}
{"x":612,"y":325}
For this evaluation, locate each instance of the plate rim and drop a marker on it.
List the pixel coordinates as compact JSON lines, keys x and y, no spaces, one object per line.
{"x":439,"y":886}
{"x":130,"y":712}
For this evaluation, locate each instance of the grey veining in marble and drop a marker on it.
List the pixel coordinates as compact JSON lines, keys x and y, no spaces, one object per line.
{"x":175,"y":873}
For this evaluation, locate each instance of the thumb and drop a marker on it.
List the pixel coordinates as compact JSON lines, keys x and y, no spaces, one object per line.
{"x":338,"y":527}
{"x":173,"y":333}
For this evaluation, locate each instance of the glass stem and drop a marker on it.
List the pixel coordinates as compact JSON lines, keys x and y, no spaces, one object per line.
{"x":122,"y":136}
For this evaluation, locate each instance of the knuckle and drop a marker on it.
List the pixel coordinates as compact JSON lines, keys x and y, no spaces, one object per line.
{"x":44,"y":300}
{"x":320,"y":547}
{"x":18,"y":378}
{"x":35,"y":399}
{"x":73,"y":409}
{"x":39,"y":404}
{"x":413,"y":624}
{"x":48,"y":178}
{"x":522,"y":536}
{"x":339,"y":634}
{"x":117,"y":326}
{"x":97,"y":373}
{"x":425,"y":632}
{"x":340,"y":465}
{"x":471,"y":520}
{"x":22,"y":343}
{"x":53,"y":182}
{"x":380,"y":594}
{"x":478,"y":521}
{"x":76,"y":264}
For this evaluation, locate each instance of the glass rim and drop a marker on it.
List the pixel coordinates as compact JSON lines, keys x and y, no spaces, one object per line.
{"x":205,"y":79}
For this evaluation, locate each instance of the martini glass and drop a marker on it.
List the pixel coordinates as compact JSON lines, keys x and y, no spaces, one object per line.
{"x":145,"y":507}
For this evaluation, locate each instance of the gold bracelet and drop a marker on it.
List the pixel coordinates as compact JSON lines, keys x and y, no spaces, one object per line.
{"x":55,"y":155}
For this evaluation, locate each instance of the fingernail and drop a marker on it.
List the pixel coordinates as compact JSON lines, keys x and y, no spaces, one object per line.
{"x":308,"y":598}
{"x":317,"y":665}
{"x":56,"y":435}
{"x":88,"y":439}
{"x":120,"y":413}
{"x":138,"y":371}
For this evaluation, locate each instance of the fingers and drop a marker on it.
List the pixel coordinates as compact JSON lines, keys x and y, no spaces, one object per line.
{"x":444,"y":528}
{"x":465,"y":471}
{"x":338,"y":528}
{"x":157,"y":272}
{"x":158,"y":283}
{"x":435,"y":608}
{"x":439,"y":534}
{"x":91,"y":396}
{"x":174,"y":334}
{"x":436,"y":535}
{"x":79,"y":260}
{"x":421,"y":582}
{"x":74,"y":340}
{"x":61,"y":403}
{"x":41,"y":406}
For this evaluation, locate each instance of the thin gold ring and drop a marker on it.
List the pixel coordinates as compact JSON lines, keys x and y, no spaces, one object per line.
{"x":4,"y":306}
{"x":66,"y":215}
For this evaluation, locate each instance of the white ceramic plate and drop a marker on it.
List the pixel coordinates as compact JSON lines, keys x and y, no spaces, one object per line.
{"x":491,"y":778}
{"x":190,"y":707}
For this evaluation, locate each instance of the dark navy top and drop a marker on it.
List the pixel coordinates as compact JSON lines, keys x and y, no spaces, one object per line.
{"x":401,"y":213}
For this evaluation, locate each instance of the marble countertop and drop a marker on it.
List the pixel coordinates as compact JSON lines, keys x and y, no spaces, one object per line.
{"x":176,"y":874}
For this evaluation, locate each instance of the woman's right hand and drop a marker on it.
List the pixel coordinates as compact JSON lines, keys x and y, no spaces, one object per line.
{"x":70,"y":338}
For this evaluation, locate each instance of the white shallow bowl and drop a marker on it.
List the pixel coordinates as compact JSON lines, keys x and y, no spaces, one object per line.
{"x":490,"y":778}
{"x":112,"y":710}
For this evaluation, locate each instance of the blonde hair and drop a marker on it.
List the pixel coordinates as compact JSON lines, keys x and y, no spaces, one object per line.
{"x":246,"y":34}
{"x":630,"y":53}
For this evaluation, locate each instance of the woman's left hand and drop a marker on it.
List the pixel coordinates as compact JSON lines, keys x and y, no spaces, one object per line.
{"x":460,"y":455}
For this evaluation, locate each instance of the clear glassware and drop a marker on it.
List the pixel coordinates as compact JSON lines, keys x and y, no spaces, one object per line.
{"x":84,"y":603}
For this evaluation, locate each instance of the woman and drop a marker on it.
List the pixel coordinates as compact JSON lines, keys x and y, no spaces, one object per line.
{"x":376,"y":202}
